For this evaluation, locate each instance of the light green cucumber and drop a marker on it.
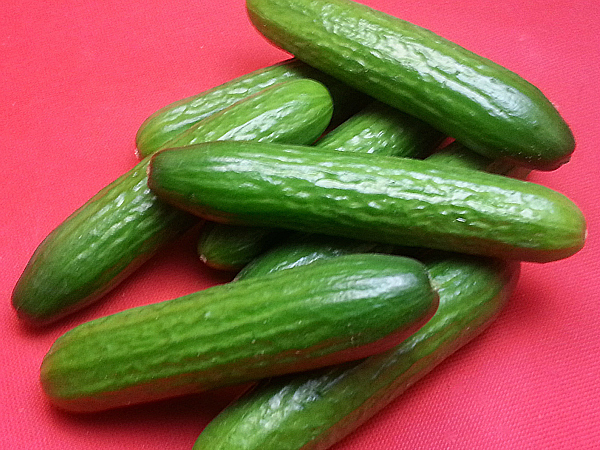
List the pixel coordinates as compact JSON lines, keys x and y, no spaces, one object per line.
{"x":124,"y":224}
{"x":483,"y":105}
{"x":175,"y":118}
{"x":314,"y":410}
{"x":392,"y":200}
{"x":321,"y":314}
{"x":377,"y":129}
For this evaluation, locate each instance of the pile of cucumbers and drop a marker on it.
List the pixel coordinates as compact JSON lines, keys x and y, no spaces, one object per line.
{"x":370,"y":195}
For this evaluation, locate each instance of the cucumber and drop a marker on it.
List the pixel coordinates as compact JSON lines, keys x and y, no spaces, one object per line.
{"x":172,"y":120}
{"x":391,"y":200}
{"x":230,"y":247}
{"x":316,"y":409}
{"x":377,"y":129}
{"x":124,"y":224}
{"x":483,"y":105}
{"x":321,"y":314}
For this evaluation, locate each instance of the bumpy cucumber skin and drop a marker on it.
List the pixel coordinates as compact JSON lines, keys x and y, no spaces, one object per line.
{"x":97,"y":247}
{"x":325,"y":313}
{"x":317,"y":409}
{"x":123,"y":225}
{"x":383,"y":130}
{"x":483,"y":105}
{"x":377,"y":129}
{"x":304,"y":105}
{"x":170,"y":121}
{"x":392,"y":200}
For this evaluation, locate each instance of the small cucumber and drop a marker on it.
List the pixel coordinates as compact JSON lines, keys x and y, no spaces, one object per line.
{"x":124,"y":224}
{"x":321,"y":314}
{"x":377,"y":129}
{"x":174,"y":119}
{"x":483,"y":105}
{"x":316,"y":409}
{"x":391,"y":200}
{"x":229,"y":247}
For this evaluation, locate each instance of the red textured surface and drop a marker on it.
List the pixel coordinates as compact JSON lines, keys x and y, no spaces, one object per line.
{"x":78,"y":78}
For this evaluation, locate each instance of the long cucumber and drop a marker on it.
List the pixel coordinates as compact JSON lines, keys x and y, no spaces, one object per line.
{"x":483,"y":105}
{"x":326,"y":313}
{"x":391,"y":200}
{"x":317,"y":409}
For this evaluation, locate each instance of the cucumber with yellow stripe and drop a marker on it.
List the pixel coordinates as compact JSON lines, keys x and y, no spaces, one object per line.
{"x":483,"y":105}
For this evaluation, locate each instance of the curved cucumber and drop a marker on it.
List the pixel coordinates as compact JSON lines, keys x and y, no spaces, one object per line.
{"x":172,"y":120}
{"x":377,"y":129}
{"x":314,"y":410}
{"x":483,"y":105}
{"x":321,"y":314}
{"x":124,"y":224}
{"x":398,"y":201}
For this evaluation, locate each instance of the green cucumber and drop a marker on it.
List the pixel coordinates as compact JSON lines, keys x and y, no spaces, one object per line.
{"x":391,"y":200}
{"x":316,"y":409}
{"x":124,"y":224}
{"x":483,"y":105}
{"x":174,"y":119}
{"x":377,"y":129}
{"x":321,"y":314}
{"x":230,"y":247}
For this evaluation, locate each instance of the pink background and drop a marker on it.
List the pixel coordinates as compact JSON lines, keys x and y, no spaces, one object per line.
{"x":77,"y":80}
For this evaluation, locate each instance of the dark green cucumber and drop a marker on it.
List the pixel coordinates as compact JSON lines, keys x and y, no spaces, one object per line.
{"x":174,"y":119}
{"x":483,"y":105}
{"x":391,"y":200}
{"x":321,"y":314}
{"x":316,"y":409}
{"x":124,"y":224}
{"x":229,"y":247}
{"x":377,"y":129}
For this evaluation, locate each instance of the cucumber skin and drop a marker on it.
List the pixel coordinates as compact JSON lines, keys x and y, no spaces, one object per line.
{"x":483,"y":105}
{"x":397,"y":201}
{"x":304,"y":248}
{"x":230,"y":247}
{"x":377,"y":129}
{"x":124,"y":224}
{"x":317,"y":409}
{"x":172,"y":120}
{"x":327,"y":313}
{"x":304,"y":105}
